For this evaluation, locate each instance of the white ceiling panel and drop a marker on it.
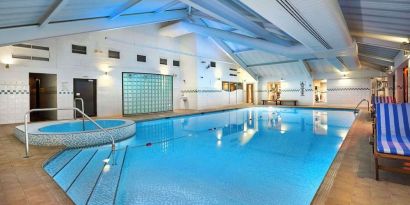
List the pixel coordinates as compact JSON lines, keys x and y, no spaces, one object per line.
{"x":257,"y":57}
{"x":22,"y":12}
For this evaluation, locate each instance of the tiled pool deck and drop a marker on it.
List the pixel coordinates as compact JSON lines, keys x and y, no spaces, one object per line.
{"x":349,"y":181}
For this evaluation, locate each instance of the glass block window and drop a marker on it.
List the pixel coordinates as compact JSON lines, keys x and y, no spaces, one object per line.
{"x":146,"y":93}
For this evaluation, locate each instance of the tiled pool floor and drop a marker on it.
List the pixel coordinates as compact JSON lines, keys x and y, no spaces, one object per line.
{"x":350,"y":181}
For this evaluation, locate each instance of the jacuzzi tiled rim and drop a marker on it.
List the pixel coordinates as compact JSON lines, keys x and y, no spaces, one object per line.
{"x":74,"y":139}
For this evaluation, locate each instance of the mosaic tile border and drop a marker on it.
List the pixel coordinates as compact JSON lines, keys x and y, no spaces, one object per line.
{"x":65,"y":92}
{"x":14,"y":92}
{"x":287,"y":90}
{"x":200,"y":91}
{"x":75,"y":139}
{"x":348,"y":89}
{"x":311,"y":90}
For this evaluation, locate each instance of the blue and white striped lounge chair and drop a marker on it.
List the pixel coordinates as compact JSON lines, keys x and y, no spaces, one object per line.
{"x":381,"y":99}
{"x":392,"y":135}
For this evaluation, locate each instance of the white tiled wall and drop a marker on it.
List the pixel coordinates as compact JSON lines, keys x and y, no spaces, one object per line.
{"x":348,"y":92}
{"x":130,"y":42}
{"x":13,"y":105}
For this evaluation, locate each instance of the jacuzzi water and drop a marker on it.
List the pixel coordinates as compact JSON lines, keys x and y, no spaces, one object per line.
{"x":78,"y":126}
{"x":246,"y":156}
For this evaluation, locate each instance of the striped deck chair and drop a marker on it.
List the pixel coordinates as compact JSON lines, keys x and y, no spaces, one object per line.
{"x":392,"y":135}
{"x":382,"y":99}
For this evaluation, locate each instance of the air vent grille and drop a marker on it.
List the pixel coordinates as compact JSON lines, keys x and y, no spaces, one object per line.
{"x":296,"y":15}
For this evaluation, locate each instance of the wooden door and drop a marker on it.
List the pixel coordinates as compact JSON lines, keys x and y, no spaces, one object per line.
{"x":249,"y":93}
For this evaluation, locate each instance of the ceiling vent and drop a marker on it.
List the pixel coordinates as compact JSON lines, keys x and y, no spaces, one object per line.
{"x":302,"y":21}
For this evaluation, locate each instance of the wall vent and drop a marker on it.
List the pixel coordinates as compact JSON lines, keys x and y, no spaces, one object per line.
{"x":21,"y":45}
{"x":24,"y":57}
{"x":31,"y":52}
{"x":175,"y":63}
{"x":163,"y":61}
{"x":113,"y":54}
{"x":141,"y":58}
{"x":78,"y":49}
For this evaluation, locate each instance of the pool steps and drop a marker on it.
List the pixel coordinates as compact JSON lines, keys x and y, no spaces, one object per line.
{"x":86,"y":176}
{"x":55,"y":166}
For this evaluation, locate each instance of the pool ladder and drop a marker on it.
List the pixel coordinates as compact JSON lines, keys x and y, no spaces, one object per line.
{"x":356,"y":110}
{"x":56,"y":109}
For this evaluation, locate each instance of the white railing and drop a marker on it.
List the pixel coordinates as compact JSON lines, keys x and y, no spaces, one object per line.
{"x":56,"y":109}
{"x":358,"y":104}
{"x":82,"y":109}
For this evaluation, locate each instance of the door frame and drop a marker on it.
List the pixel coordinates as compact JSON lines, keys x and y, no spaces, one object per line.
{"x":405,"y":85}
{"x":30,"y":74}
{"x":252,"y":93}
{"x":94,"y":93}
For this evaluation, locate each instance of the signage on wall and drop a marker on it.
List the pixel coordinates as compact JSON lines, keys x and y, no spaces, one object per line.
{"x":302,"y":88}
{"x":64,"y":86}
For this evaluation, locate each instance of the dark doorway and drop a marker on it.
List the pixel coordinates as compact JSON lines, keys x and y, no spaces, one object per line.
{"x":43,"y":94}
{"x":249,"y":93}
{"x":87,"y":90}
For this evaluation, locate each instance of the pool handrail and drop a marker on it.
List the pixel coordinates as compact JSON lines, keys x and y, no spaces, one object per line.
{"x":56,"y":109}
{"x":358,"y":104}
{"x":82,"y":109}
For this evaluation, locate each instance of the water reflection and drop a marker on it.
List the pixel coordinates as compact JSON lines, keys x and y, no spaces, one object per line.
{"x":320,"y":122}
{"x":242,"y":127}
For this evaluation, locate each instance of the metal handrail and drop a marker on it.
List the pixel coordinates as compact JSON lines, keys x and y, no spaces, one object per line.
{"x":56,"y":109}
{"x":368,"y":105}
{"x":82,"y":109}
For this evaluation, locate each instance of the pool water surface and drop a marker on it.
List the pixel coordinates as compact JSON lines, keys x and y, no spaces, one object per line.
{"x":78,"y":126}
{"x":245,"y":156}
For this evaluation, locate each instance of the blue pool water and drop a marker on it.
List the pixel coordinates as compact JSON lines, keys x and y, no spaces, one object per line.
{"x":78,"y":126}
{"x":246,"y":156}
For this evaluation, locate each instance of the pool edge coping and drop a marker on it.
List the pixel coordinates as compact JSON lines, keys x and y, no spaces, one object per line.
{"x":327,"y":183}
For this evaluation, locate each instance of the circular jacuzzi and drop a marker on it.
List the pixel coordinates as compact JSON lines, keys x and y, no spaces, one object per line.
{"x":74,"y":133}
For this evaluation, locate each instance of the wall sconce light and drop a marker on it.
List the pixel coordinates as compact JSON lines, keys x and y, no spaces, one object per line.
{"x":7,"y":66}
{"x":218,"y":78}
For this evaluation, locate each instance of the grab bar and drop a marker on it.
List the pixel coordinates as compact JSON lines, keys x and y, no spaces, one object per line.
{"x":82,"y":109}
{"x":55,"y":109}
{"x":368,"y":105}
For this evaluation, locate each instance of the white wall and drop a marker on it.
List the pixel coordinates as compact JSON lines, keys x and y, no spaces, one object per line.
{"x":203,"y":84}
{"x":341,"y":90}
{"x":290,"y":89}
{"x":130,"y":42}
{"x":348,"y":92}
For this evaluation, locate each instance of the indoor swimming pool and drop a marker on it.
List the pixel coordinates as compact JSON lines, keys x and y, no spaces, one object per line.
{"x":247,"y":156}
